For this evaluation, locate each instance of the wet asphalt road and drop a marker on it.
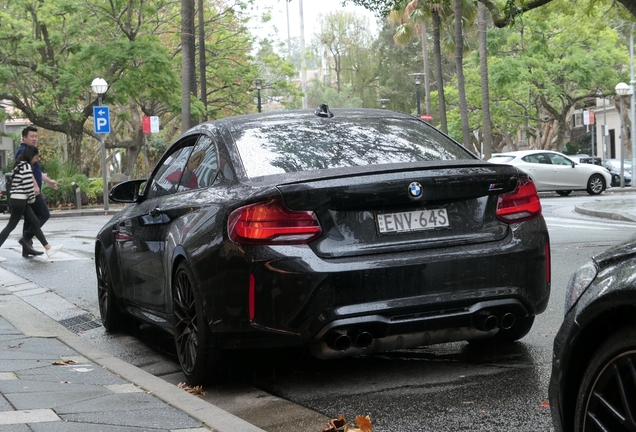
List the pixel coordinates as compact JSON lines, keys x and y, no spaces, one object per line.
{"x":446,"y":387}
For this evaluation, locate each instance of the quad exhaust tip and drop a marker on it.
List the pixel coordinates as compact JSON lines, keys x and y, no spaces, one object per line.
{"x":508,"y":320}
{"x":343,"y":341}
{"x":487,"y":323}
{"x":363,"y":340}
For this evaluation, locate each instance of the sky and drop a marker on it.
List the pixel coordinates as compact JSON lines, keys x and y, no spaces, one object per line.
{"x":311,"y":10}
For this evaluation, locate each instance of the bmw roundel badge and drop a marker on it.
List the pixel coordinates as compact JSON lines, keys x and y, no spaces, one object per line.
{"x":415,"y":190}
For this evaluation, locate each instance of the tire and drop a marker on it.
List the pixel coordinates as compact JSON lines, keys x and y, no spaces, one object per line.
{"x":193,"y":338}
{"x":564,"y":192}
{"x":112,"y":318}
{"x":595,"y":184}
{"x":608,"y":387}
{"x":520,"y":329}
{"x":616,"y":180}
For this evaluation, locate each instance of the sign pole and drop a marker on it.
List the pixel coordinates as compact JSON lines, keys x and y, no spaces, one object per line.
{"x":104,"y":173}
{"x":593,"y":131}
{"x":145,"y":157}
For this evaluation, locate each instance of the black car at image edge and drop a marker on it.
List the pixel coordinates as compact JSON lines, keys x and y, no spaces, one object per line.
{"x":593,"y":381}
{"x":346,"y":231}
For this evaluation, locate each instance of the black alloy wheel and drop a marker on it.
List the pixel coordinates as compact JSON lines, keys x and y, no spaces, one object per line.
{"x":607,"y":395}
{"x":595,"y":184}
{"x":112,"y":317}
{"x":192,"y":335}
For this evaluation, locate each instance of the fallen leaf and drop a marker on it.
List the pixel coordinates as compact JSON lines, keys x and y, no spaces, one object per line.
{"x":335,"y":424}
{"x":545,"y":404}
{"x":63,"y":362}
{"x":340,"y":424}
{"x":364,"y":423}
{"x":17,"y":346}
{"x":196,"y":390}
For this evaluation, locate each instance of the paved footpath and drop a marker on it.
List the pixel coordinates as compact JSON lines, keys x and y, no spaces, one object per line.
{"x":51,"y":380}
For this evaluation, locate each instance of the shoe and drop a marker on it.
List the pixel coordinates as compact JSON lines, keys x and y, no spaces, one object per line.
{"x":27,"y":248}
{"x":50,"y":252}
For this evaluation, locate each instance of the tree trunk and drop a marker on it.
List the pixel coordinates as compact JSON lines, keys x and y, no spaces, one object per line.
{"x":438,"y":71}
{"x":75,"y":133}
{"x":187,"y":61}
{"x":202,"y":73}
{"x":459,"y":61}
{"x":132,"y":152}
{"x":427,"y":68}
{"x":486,"y":127}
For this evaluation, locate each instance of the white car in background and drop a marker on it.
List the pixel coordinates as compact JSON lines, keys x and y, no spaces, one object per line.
{"x":554,"y":171}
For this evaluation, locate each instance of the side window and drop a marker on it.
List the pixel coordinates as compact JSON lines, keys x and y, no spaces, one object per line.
{"x":168,"y":176}
{"x":560,"y":160}
{"x":536,"y":158}
{"x":200,"y":170}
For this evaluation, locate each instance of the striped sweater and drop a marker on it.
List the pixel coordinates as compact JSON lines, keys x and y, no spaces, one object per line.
{"x":22,"y":182}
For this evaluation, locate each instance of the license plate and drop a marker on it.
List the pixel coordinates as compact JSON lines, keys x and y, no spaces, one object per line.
{"x":418,"y":220}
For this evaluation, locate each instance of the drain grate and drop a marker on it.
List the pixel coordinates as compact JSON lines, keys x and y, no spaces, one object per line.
{"x":80,"y":323}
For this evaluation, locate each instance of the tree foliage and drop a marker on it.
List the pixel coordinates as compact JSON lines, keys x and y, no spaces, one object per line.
{"x":50,"y":52}
{"x":545,"y":66}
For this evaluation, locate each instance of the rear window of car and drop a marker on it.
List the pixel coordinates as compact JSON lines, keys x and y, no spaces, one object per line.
{"x":501,"y":159}
{"x":284,"y":146}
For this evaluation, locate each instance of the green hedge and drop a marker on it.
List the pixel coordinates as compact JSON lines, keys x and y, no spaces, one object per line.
{"x":91,"y":191}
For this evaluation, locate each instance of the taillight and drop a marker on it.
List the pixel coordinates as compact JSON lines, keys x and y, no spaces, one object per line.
{"x":520,"y":205}
{"x":271,"y":222}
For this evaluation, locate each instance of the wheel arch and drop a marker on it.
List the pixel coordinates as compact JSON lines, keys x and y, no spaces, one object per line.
{"x":587,"y":342}
{"x":179,"y":256}
{"x":113,"y":268}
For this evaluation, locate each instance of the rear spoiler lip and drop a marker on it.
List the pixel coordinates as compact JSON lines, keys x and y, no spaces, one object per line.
{"x":335,"y":173}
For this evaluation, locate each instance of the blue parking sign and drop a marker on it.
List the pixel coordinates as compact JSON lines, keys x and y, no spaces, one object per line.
{"x":101,"y":119}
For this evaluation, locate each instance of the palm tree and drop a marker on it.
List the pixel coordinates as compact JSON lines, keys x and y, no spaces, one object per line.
{"x":482,"y":16}
{"x":459,"y":60}
{"x":418,"y":11}
{"x":405,"y":32}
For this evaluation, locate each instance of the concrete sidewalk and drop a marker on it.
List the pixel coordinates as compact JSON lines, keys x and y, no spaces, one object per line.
{"x":623,"y":209}
{"x":51,"y":380}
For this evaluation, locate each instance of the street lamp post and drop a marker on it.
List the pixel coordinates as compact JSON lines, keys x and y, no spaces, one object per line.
{"x":418,"y":81}
{"x":99,"y":86}
{"x":622,"y":89}
{"x":383,"y":102}
{"x":633,"y":99}
{"x":259,"y":85}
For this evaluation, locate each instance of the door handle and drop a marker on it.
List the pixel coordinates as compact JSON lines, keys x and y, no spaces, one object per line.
{"x":155,"y":212}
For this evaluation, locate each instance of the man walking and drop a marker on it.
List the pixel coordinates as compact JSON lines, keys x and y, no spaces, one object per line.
{"x":39,"y":207}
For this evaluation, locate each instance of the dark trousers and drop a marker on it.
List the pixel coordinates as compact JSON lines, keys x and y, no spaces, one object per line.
{"x":19,"y":208}
{"x":42,"y":213}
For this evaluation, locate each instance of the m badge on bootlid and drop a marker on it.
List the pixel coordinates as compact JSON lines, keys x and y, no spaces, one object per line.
{"x":415,"y":190}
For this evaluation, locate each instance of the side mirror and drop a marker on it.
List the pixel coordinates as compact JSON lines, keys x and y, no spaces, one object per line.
{"x":126,"y":192}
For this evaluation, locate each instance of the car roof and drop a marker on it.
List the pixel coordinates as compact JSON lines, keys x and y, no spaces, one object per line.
{"x":310,"y":114}
{"x":522,"y":153}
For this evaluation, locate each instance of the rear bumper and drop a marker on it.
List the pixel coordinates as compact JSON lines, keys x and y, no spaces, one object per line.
{"x":376,"y":333}
{"x":399,"y":300}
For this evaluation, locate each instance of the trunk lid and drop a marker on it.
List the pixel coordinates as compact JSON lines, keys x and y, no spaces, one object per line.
{"x":377,"y":212}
